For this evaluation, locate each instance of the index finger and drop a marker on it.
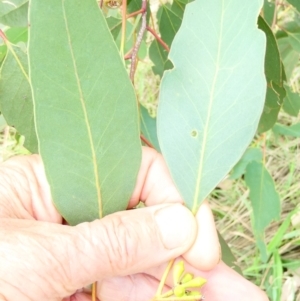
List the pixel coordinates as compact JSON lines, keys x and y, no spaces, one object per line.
{"x":155,"y":186}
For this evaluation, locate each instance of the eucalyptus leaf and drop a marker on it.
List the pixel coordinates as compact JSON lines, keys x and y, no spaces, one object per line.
{"x":251,"y":154}
{"x":291,"y":104}
{"x":227,"y":255}
{"x":271,"y":110}
{"x":14,"y":35}
{"x":294,"y":39}
{"x":264,"y":199}
{"x":274,"y":74}
{"x":85,"y":109}
{"x":290,"y":57}
{"x":2,"y":122}
{"x":169,"y":21}
{"x":14,"y":13}
{"x":17,"y":34}
{"x":295,"y":3}
{"x":269,"y":11}
{"x":15,"y":96}
{"x":293,"y":130}
{"x":273,"y":67}
{"x":159,"y":58}
{"x":115,"y":26}
{"x":3,"y":50}
{"x":211,"y":102}
{"x":148,"y":127}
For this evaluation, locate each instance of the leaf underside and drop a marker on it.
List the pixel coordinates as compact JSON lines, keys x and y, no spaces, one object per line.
{"x":211,"y":102}
{"x":14,"y":13}
{"x":15,"y":97}
{"x":85,"y":109}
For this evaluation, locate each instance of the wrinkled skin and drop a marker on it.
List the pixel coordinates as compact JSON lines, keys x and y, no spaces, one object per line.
{"x":126,"y":252}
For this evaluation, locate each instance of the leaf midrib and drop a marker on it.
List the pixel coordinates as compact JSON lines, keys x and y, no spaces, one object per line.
{"x":86,"y":119}
{"x":205,"y":132}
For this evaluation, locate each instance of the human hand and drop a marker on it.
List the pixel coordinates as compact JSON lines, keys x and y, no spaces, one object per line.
{"x":42,"y":259}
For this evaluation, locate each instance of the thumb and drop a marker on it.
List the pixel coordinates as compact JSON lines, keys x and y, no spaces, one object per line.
{"x":132,"y":241}
{"x":47,"y":261}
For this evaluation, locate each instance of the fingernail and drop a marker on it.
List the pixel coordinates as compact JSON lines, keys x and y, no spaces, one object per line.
{"x":177,"y":226}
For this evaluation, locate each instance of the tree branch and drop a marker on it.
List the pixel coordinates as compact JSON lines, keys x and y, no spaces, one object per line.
{"x":138,"y":40}
{"x":161,"y":42}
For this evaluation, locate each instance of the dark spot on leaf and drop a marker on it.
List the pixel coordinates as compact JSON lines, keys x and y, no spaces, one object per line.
{"x":194,"y":133}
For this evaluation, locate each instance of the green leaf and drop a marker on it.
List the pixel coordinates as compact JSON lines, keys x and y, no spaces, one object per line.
{"x":269,"y":11}
{"x":273,"y":67}
{"x":295,"y":3}
{"x":274,"y":74}
{"x":85,"y":109}
{"x":293,"y":130}
{"x":135,"y":5}
{"x":291,"y":104}
{"x":115,"y":26}
{"x":159,"y":58}
{"x":169,"y":20}
{"x":2,"y":123}
{"x":15,"y":96}
{"x":17,"y":34}
{"x":294,"y":39}
{"x":211,"y":102}
{"x":3,"y":50}
{"x":14,"y":13}
{"x":290,"y":57}
{"x":251,"y":154}
{"x":227,"y":255}
{"x":264,"y":199}
{"x":271,"y":110}
{"x":148,"y":127}
{"x":14,"y":35}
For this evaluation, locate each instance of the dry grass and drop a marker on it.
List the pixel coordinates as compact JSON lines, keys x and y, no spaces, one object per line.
{"x":233,"y":210}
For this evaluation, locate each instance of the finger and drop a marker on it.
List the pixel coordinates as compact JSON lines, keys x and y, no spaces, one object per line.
{"x":154,"y":183}
{"x":137,"y":287}
{"x":79,"y":297}
{"x":26,"y":174}
{"x":63,"y":259}
{"x":155,"y":186}
{"x":205,"y":252}
{"x":223,"y":283}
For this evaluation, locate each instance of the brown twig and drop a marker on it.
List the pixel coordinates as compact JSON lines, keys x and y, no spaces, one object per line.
{"x":138,"y":40}
{"x":140,"y":11}
{"x":146,"y":141}
{"x":159,"y":40}
{"x":128,"y":55}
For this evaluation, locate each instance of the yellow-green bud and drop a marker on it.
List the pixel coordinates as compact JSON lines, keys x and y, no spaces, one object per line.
{"x":195,"y":282}
{"x":179,"y":291}
{"x":178,"y":271}
{"x":187,"y":277}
